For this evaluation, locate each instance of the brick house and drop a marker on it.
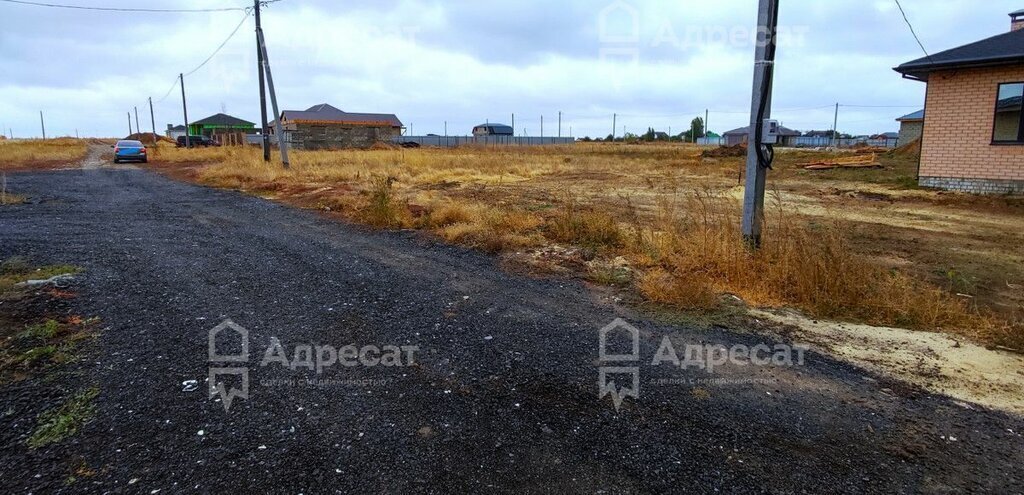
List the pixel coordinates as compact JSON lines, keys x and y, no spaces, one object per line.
{"x":911,"y":127}
{"x":325,"y":127}
{"x":973,"y":137}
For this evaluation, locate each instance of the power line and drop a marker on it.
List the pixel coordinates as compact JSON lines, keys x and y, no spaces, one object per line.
{"x":905,"y":19}
{"x":123,"y":9}
{"x":168,"y":93}
{"x":239,"y":26}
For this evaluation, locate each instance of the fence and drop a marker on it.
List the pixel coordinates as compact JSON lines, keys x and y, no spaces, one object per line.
{"x":453,"y":141}
{"x":825,"y":141}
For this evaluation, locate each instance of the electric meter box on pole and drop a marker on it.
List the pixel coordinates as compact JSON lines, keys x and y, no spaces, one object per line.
{"x":770,"y":132}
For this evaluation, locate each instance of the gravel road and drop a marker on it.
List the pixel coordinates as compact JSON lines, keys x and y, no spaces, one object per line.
{"x":502,"y":395}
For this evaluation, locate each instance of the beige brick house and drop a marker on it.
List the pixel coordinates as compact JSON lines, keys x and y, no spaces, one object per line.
{"x":973,"y":138}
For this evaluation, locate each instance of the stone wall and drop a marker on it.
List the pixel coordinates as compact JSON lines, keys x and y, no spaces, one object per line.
{"x":910,"y":131}
{"x":977,"y":186}
{"x":326,"y":136}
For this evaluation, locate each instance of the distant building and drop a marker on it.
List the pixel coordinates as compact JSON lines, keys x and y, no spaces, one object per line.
{"x":173,"y":132}
{"x":973,"y":137}
{"x":739,"y":136}
{"x":493,"y":130}
{"x":911,"y":126}
{"x":326,"y":127}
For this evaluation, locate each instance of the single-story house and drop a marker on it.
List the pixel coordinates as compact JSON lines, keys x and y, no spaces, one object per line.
{"x":493,"y":130}
{"x":739,"y":136}
{"x":326,"y":127}
{"x":174,"y":131}
{"x":973,"y":138}
{"x":911,"y":126}
{"x":220,"y":123}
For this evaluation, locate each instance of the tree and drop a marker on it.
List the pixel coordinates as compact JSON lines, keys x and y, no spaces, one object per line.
{"x":696,"y":128}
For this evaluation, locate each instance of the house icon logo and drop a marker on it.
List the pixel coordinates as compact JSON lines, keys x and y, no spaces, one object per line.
{"x":618,"y":369}
{"x":224,"y":365}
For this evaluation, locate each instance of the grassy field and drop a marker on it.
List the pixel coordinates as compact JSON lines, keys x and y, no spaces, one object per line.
{"x":23,"y":154}
{"x":862,"y":245}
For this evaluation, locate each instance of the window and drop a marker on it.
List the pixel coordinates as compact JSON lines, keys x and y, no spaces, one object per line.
{"x":1009,"y":121}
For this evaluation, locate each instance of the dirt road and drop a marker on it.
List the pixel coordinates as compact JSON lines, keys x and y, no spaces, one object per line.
{"x":501,"y":393}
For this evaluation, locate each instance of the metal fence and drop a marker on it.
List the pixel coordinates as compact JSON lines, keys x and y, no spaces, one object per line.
{"x":824,"y":142}
{"x":453,"y":141}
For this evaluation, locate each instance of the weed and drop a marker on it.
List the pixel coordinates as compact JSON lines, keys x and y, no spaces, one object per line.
{"x":587,"y":228}
{"x":42,"y":331}
{"x":57,"y":424}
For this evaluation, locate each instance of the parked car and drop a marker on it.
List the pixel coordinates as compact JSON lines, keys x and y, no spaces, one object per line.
{"x":129,"y":150}
{"x":197,"y":141}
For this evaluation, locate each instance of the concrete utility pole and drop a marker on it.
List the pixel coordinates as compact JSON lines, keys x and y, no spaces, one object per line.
{"x":129,"y":123}
{"x":184,"y":110}
{"x":263,"y":89}
{"x":278,"y":129}
{"x":42,"y":123}
{"x":835,"y":124}
{"x":152,"y":119}
{"x":541,"y":126}
{"x":138,"y":128}
{"x":559,"y":124}
{"x":614,"y":125}
{"x":758,"y":159}
{"x":513,"y":124}
{"x":706,"y":126}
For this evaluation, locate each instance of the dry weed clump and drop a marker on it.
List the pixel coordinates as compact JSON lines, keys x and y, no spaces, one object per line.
{"x":26,"y":152}
{"x":697,"y":250}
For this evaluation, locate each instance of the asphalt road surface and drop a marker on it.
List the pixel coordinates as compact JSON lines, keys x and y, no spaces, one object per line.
{"x":500,"y":394}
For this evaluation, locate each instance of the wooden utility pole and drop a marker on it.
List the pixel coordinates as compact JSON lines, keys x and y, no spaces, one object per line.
{"x":42,"y":124}
{"x":184,"y":110}
{"x":278,"y":129}
{"x":758,"y":156}
{"x":152,"y":119}
{"x":263,"y":89}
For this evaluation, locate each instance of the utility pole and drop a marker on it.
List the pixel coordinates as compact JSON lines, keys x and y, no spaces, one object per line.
{"x":446,"y":128}
{"x":152,"y":119}
{"x":542,"y":126}
{"x":706,"y":126}
{"x":184,"y":110}
{"x":614,"y":125}
{"x":43,"y":123}
{"x":513,"y":123}
{"x":278,"y":129}
{"x":129,"y":123}
{"x":263,"y":88}
{"x":758,"y":159}
{"x":559,"y":124}
{"x":835,"y":130}
{"x":138,"y":128}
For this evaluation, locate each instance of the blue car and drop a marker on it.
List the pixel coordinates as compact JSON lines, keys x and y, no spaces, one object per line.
{"x":127,"y":150}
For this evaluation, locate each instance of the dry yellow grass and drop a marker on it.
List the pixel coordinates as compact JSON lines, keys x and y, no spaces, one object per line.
{"x":25,"y":153}
{"x":674,"y":218}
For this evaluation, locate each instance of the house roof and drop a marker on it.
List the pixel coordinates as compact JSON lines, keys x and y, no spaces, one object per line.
{"x":910,"y":117}
{"x":1002,"y":49}
{"x":783,"y":131}
{"x":496,"y":127}
{"x":329,"y":114}
{"x":179,"y":127}
{"x":224,"y":120}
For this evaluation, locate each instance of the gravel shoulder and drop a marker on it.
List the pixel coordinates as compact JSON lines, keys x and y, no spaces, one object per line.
{"x":503,"y":395}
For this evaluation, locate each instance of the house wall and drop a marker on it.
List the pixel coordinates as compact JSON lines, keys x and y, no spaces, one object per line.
{"x":957,"y":151}
{"x":332,"y":136}
{"x":910,"y":131}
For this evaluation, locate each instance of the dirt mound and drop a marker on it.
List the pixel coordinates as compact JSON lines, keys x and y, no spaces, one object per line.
{"x":909,"y":150}
{"x":725,"y":151}
{"x":149,"y":138}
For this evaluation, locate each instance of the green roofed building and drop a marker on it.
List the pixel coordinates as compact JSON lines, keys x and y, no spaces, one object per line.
{"x":220,"y":124}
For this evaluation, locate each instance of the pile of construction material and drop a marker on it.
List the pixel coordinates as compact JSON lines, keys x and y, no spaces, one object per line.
{"x":856,"y":161}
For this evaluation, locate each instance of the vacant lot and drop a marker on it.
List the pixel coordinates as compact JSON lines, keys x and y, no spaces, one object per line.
{"x":860,"y":245}
{"x":26,"y":154}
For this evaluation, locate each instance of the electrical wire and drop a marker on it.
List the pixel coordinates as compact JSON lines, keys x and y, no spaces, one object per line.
{"x":232,"y":35}
{"x":125,"y":9}
{"x":168,"y":93}
{"x":905,"y":19}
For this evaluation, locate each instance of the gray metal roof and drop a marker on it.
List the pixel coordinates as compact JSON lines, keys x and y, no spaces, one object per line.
{"x":1002,"y":49}
{"x":327,"y":113}
{"x":918,"y":115}
{"x":1017,"y":13}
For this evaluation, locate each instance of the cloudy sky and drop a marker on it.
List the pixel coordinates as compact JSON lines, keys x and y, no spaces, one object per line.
{"x":655,"y":63}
